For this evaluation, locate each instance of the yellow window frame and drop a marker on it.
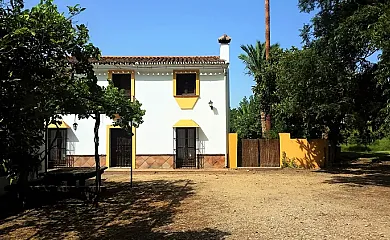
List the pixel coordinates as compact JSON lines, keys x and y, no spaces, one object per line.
{"x":187,"y":101}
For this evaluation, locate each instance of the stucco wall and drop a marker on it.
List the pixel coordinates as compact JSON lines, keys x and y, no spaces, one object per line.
{"x":306,"y":154}
{"x":80,"y":142}
{"x":155,"y":135}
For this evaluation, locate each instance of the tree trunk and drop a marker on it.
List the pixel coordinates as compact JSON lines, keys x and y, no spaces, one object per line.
{"x":267,"y":117}
{"x":333,"y":149}
{"x":263,"y":124}
{"x":332,"y":152}
{"x":22,"y":181}
{"x":267,"y":30}
{"x":46,"y":145}
{"x":97,"y":159}
{"x":268,"y":122}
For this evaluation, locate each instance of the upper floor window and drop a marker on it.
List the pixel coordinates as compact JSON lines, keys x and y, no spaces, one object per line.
{"x":123,"y":81}
{"x":185,"y":84}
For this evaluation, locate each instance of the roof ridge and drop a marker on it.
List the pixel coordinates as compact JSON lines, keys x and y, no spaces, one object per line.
{"x":159,"y":60}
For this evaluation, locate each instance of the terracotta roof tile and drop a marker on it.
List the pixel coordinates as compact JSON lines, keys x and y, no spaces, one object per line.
{"x":157,"y":60}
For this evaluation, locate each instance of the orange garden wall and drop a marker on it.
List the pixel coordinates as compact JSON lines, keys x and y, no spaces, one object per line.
{"x":306,"y":154}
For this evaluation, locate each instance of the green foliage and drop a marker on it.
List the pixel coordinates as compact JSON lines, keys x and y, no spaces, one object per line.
{"x":35,"y":79}
{"x":313,"y":97}
{"x":348,"y":33}
{"x":380,"y":145}
{"x":244,"y":120}
{"x":330,"y":88}
{"x":272,"y":134}
{"x":40,"y":81}
{"x":262,"y":71}
{"x":264,"y":74}
{"x":115,"y":103}
{"x":288,"y":163}
{"x":355,"y":148}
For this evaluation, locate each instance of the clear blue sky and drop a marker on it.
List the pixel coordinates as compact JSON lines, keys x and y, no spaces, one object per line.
{"x":178,"y":27}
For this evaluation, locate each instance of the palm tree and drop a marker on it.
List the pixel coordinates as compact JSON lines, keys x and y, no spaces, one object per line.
{"x":254,"y":58}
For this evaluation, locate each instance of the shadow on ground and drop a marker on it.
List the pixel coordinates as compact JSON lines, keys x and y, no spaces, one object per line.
{"x":144,"y":212}
{"x":361,"y":169}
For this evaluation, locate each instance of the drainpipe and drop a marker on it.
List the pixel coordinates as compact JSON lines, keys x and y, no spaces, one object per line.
{"x":227,"y":101}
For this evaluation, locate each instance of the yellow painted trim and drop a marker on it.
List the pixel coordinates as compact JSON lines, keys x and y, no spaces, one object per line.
{"x":186,"y":102}
{"x":62,"y":125}
{"x":132,"y":95}
{"x":186,"y":123}
{"x":133,"y":139}
{"x":233,"y":141}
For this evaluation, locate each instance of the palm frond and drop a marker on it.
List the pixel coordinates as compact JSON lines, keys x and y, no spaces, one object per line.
{"x":253,"y":57}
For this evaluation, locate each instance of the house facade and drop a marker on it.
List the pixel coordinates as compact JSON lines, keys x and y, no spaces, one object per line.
{"x":186,"y":124}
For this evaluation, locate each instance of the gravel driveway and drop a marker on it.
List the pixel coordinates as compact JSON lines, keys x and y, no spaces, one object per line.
{"x":279,"y":204}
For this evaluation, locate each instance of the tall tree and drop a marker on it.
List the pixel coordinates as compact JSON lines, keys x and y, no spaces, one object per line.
{"x":346,"y":34}
{"x":312,"y":94}
{"x":40,"y":81}
{"x":264,"y":74}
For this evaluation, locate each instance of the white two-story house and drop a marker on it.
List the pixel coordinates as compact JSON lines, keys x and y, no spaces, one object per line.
{"x":186,"y":99}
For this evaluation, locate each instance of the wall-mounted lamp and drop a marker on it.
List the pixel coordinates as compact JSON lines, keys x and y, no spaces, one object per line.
{"x":75,"y":124}
{"x":211,"y":105}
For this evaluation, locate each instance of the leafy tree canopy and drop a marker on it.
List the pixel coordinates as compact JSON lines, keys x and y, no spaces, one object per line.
{"x":323,"y":87}
{"x":45,"y":72}
{"x":329,"y":88}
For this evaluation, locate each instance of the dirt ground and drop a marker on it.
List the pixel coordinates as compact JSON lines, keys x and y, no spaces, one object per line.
{"x":348,"y":203}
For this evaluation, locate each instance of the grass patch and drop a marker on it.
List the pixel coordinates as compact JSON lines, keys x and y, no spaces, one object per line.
{"x":382,"y":146}
{"x":373,"y":156}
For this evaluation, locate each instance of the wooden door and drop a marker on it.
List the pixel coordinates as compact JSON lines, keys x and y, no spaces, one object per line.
{"x":269,"y":152}
{"x":250,"y":153}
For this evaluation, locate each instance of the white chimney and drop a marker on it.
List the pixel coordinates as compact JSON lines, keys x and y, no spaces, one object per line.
{"x":224,"y":52}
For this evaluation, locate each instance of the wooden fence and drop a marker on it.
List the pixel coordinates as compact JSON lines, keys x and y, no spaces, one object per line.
{"x":259,"y":153}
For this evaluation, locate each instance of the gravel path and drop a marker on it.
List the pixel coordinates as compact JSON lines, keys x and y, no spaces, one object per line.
{"x":285,"y":204}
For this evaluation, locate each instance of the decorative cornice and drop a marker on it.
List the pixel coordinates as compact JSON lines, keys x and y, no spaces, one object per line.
{"x":102,"y":71}
{"x":156,"y":73}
